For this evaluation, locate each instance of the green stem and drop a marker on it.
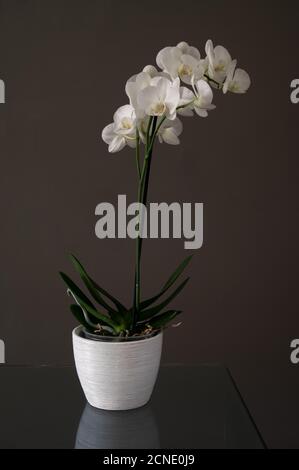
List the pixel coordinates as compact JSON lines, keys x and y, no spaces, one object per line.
{"x":152,"y":131}
{"x":149,"y":158}
{"x":138,"y":153}
{"x":142,"y":197}
{"x":219,"y":86}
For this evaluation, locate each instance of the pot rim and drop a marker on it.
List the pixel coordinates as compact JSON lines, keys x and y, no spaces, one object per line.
{"x":79,"y":328}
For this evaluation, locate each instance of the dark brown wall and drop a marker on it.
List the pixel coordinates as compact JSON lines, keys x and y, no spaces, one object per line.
{"x":65,"y":64}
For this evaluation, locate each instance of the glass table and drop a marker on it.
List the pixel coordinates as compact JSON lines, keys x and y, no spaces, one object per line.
{"x":193,"y":407}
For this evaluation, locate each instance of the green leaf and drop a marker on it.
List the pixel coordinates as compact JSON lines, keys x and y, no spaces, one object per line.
{"x":168,"y":284}
{"x":96,"y":291}
{"x":161,"y":320}
{"x":83,"y":274}
{"x":149,"y":313}
{"x":86,"y":304}
{"x":79,"y":315}
{"x":78,"y":292}
{"x":177,"y":272}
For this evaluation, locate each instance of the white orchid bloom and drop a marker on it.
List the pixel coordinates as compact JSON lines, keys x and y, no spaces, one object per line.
{"x":181,"y":61}
{"x":160,"y":98}
{"x":186,"y":102}
{"x":153,"y":72}
{"x":133,"y":87}
{"x":154,"y":93}
{"x":189,"y":50}
{"x":203,"y":98}
{"x":138,"y":82}
{"x":169,"y":131}
{"x":122,"y":131}
{"x":219,"y":60}
{"x":237,"y":80}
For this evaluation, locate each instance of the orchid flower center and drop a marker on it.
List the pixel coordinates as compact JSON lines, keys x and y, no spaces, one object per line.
{"x":185,"y":70}
{"x":126,"y":123}
{"x":234,"y":87}
{"x":197,"y":101}
{"x":220,"y":67}
{"x":158,"y":108}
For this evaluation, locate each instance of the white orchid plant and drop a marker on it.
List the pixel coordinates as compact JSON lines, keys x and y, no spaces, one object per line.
{"x":156,"y":98}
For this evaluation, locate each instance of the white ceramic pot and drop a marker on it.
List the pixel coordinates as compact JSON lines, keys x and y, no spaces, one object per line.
{"x":117,"y":375}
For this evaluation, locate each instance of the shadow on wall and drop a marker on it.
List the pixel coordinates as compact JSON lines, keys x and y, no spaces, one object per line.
{"x":2,"y":352}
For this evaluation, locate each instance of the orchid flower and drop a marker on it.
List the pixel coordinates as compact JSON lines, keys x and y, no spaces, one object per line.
{"x":153,"y":72}
{"x":137,"y":83}
{"x":160,"y":98}
{"x":237,"y":80}
{"x":187,"y":98}
{"x":122,"y":131}
{"x":169,"y":131}
{"x":219,"y":60}
{"x":182,"y":61}
{"x":133,"y":87}
{"x":203,"y":98}
{"x":157,"y":97}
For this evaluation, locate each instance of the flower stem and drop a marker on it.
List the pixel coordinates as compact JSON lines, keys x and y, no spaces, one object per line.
{"x":142,"y":198}
{"x":219,"y":86}
{"x":138,"y":153}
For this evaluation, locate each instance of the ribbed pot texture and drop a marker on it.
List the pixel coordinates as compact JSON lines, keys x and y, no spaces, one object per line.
{"x":117,"y":375}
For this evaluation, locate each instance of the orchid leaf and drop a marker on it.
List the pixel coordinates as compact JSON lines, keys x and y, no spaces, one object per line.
{"x":161,"y":320}
{"x":84,"y":302}
{"x":78,"y":293}
{"x":175,"y":275}
{"x":177,"y":272}
{"x":151,"y":312}
{"x":79,"y":315}
{"x":96,"y":292}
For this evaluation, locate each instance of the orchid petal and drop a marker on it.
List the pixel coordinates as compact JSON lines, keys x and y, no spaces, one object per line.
{"x":108,"y":133}
{"x":117,"y":144}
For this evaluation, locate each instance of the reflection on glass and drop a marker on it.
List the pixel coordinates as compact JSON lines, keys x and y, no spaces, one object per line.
{"x":134,"y":429}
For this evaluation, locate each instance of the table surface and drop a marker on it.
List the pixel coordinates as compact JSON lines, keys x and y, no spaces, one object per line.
{"x":195,"y":407}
